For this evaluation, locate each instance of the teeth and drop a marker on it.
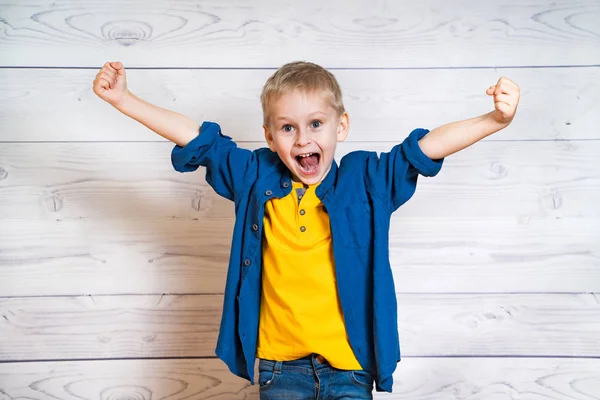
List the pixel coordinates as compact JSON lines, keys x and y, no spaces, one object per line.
{"x":305,"y":155}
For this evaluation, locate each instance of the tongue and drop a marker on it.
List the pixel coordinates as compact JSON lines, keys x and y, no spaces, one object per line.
{"x":310,"y":162}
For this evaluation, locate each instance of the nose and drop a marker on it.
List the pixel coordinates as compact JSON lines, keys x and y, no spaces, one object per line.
{"x":303,"y":138}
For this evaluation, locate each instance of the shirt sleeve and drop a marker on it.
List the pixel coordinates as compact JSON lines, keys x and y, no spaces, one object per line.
{"x":227,"y":166}
{"x":393,"y":175}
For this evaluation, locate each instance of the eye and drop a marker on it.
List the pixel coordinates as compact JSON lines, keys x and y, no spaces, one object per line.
{"x":287,"y":128}
{"x":316,"y":124}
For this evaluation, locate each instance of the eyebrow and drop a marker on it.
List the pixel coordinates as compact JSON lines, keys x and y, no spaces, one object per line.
{"x":316,"y":112}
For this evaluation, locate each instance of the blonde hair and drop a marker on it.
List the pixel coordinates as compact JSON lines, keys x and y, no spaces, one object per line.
{"x":306,"y":76}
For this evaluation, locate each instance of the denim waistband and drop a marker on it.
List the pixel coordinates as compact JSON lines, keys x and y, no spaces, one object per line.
{"x":313,"y":360}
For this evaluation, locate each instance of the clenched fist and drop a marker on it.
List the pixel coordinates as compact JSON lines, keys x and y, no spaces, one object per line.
{"x":506,"y":99}
{"x":111,"y":83}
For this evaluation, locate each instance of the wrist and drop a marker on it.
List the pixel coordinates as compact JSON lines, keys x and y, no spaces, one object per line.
{"x":494,"y":119}
{"x":125,"y":101}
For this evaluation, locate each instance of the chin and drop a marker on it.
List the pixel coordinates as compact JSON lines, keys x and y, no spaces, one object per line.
{"x":309,"y":181}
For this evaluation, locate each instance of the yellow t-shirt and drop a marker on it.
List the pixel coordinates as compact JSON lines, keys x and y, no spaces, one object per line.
{"x":300,"y":312}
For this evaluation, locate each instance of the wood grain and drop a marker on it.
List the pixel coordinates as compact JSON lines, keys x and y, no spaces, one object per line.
{"x":384,"y":105}
{"x":112,"y":265}
{"x":136,"y":180}
{"x":123,"y":379}
{"x":500,"y":216}
{"x":430,"y":33}
{"x":440,"y":325}
{"x":112,"y":256}
{"x":414,"y":379}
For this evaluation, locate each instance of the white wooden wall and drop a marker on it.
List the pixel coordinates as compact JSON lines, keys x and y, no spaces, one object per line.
{"x":113,"y":265}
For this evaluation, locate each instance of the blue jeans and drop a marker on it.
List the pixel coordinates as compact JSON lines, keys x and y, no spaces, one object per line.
{"x":311,"y":377}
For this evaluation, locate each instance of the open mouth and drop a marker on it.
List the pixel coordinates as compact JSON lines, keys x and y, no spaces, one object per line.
{"x":308,"y":163}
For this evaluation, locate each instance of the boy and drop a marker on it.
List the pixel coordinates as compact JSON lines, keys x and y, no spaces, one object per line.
{"x":309,"y":287}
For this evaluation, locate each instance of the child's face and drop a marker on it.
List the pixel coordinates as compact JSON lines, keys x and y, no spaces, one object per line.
{"x":304,"y":130}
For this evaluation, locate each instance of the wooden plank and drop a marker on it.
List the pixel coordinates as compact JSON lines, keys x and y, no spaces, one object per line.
{"x":267,"y":33}
{"x":414,"y":379}
{"x":495,"y":255}
{"x":117,"y":255}
{"x":139,"y":379}
{"x":103,"y":180}
{"x":109,"y":326}
{"x":130,"y":255}
{"x":384,"y":105}
{"x":86,"y":327}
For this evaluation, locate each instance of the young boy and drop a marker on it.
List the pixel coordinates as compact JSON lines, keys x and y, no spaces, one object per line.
{"x":309,"y":287}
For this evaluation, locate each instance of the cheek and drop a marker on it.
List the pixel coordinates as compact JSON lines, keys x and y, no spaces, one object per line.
{"x":329,"y":143}
{"x":284,"y":151}
{"x":281,"y":145}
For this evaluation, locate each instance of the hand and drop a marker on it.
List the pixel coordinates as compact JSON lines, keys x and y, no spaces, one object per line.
{"x":506,"y":99}
{"x":111,"y":83}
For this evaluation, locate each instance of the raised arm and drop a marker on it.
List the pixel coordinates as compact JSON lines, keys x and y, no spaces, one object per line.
{"x":111,"y":85}
{"x":228,"y":167}
{"x":450,"y":138}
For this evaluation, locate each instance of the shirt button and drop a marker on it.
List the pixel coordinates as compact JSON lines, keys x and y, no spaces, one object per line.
{"x":254,"y":227}
{"x":268,"y":193}
{"x":247,"y":262}
{"x":286,"y":184}
{"x":302,"y":212}
{"x":300,"y":197}
{"x":302,"y":229}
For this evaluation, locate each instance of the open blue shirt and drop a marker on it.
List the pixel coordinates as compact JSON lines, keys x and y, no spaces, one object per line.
{"x":359,"y":197}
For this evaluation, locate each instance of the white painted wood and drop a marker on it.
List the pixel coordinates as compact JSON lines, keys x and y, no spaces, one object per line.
{"x":90,"y":327}
{"x":515,"y":213}
{"x":414,"y":379}
{"x":430,"y":33}
{"x":125,"y":180}
{"x":124,"y":379}
{"x":525,"y":223}
{"x":131,"y":255}
{"x":384,"y":105}
{"x":495,"y":255}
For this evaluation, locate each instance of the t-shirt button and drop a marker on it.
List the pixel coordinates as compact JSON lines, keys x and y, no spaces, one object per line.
{"x":302,"y":229}
{"x":254,"y":227}
{"x":268,"y":193}
{"x":247,"y":262}
{"x":302,"y":212}
{"x":286,"y":184}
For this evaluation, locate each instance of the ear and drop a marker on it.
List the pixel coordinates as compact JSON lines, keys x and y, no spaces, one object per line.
{"x":269,"y":138}
{"x":343,"y":127}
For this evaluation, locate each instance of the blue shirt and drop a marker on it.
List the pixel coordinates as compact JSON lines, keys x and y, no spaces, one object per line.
{"x":359,"y":196}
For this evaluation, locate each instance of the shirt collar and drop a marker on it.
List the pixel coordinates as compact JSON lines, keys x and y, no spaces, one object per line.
{"x":327,"y":183}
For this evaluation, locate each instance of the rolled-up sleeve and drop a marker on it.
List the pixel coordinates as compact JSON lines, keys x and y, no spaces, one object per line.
{"x":227,"y":165}
{"x":393,"y":175}
{"x":419,"y":160}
